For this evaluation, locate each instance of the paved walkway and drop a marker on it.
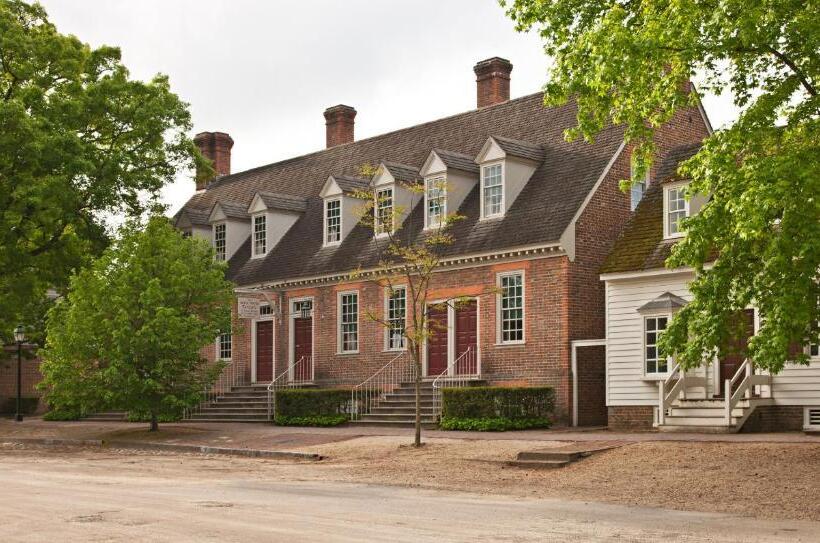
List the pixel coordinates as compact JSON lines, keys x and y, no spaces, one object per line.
{"x":264,"y":436}
{"x":62,"y":497}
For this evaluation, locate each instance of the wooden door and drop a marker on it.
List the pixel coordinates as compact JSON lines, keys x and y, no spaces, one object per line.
{"x":264,"y":351}
{"x":303,"y":349}
{"x":735,"y":351}
{"x":437,"y":344}
{"x":467,"y":338}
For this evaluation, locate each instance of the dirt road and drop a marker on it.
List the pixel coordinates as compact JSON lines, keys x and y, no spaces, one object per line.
{"x":81,"y":495}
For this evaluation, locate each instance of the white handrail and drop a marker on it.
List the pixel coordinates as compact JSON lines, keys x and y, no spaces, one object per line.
{"x":452,"y":378}
{"x":367,"y":394}
{"x":744,"y":388}
{"x":667,"y":395}
{"x":283,"y":380}
{"x":231,"y":376}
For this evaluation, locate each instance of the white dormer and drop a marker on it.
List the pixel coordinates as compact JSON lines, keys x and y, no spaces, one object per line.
{"x":272,"y":215}
{"x":229,"y":228}
{"x":194,"y":223}
{"x":394,"y":198}
{"x":506,"y":167}
{"x":677,"y":207}
{"x":448,"y":179}
{"x":340,"y":207}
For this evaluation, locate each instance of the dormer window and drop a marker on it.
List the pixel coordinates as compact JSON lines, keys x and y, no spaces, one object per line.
{"x":383,"y":210}
{"x":675,"y":208}
{"x":435,"y":193}
{"x":220,"y":241}
{"x":638,"y":189}
{"x":260,"y":238}
{"x":333,"y":221}
{"x":492,"y":190}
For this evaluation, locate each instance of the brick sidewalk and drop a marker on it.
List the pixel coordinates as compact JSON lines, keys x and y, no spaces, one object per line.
{"x":263,"y":436}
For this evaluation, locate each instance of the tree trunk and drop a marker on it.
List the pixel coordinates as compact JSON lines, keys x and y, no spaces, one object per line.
{"x":417,"y":441}
{"x":154,"y":422}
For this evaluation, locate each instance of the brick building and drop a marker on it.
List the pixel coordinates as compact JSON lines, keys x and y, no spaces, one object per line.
{"x":541,"y":215}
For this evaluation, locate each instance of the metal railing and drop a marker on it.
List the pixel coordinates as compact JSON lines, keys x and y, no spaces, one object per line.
{"x":296,"y":375}
{"x":370,"y":392}
{"x":231,"y":376}
{"x":459,"y":373}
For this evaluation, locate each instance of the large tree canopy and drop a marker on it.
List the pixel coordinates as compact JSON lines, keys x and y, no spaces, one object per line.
{"x":757,"y":241}
{"x":130,"y":331}
{"x":78,"y":139}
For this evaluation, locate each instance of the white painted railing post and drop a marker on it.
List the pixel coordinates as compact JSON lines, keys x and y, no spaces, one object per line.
{"x":727,"y":393}
{"x":661,"y":402}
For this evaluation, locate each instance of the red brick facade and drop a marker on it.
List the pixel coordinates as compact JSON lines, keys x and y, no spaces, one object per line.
{"x":492,"y":81}
{"x":630,"y":417}
{"x":31,"y":377}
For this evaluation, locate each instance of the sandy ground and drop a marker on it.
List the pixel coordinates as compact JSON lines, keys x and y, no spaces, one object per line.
{"x":86,"y":495}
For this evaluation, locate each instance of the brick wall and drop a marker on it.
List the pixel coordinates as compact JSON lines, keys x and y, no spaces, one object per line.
{"x":775,"y":418}
{"x":31,"y":375}
{"x":630,"y":417}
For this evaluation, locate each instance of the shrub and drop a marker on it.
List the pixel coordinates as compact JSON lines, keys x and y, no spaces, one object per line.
{"x":140,"y":416}
{"x":63,"y":414}
{"x":497,"y":408}
{"x":312,"y":407}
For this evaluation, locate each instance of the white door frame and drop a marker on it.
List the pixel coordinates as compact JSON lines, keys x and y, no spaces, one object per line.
{"x":451,"y":334}
{"x":575,"y":345}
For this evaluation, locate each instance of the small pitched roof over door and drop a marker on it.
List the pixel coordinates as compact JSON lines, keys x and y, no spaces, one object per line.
{"x":667,"y":302}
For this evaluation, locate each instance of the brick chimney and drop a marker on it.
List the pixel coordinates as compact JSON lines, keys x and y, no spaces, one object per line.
{"x":492,"y":81}
{"x":216,"y":146}
{"x":339,"y":121}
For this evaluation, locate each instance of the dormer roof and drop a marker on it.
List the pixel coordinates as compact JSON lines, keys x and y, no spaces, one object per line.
{"x":402,"y":172}
{"x":281,"y":202}
{"x":457,"y":161}
{"x":228,"y":210}
{"x":191,"y":217}
{"x":343,"y":184}
{"x":518,"y":148}
{"x":666,"y":302}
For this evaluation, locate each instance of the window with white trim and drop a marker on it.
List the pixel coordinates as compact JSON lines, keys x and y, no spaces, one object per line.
{"x":265,"y":310}
{"x":224,"y":347}
{"x":396,"y":318}
{"x":349,"y":322}
{"x":219,"y":241}
{"x":638,"y":189}
{"x":260,"y":231}
{"x":654,"y":363}
{"x":384,"y":211}
{"x":677,"y":209}
{"x":333,"y":221}
{"x":511,"y":304}
{"x":492,"y":187}
{"x":435,"y":195}
{"x":814,"y":350}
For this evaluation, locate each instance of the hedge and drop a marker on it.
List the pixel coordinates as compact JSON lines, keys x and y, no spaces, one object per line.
{"x":496,"y":408}
{"x":312,"y":407}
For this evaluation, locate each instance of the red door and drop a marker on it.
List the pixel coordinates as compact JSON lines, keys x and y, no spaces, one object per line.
{"x":303,"y":349}
{"x":467,"y":338}
{"x":264,"y":351}
{"x":436,"y":339}
{"x":734,"y":353}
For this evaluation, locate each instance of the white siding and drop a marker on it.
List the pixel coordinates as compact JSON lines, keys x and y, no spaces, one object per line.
{"x":626,"y":383}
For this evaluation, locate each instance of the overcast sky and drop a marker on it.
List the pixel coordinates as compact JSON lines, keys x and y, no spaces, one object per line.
{"x":264,"y":71}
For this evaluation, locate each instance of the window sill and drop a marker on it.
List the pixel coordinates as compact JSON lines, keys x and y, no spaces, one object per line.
{"x":402,"y":350}
{"x":253,"y":257}
{"x":345,"y":353}
{"x":489,"y":218}
{"x":510,"y":343}
{"x":656,"y":377}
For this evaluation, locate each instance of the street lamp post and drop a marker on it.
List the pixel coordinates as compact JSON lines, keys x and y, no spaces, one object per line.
{"x":19,"y":337}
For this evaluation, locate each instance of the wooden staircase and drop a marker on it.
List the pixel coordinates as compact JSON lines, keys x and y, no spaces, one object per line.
{"x":708,"y":415}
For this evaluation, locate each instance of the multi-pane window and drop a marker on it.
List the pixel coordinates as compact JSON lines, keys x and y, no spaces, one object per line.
{"x":265,"y":310}
{"x":675,"y":210}
{"x":654,"y":363}
{"x":223,"y":344}
{"x":396,"y":315}
{"x":384,"y":211}
{"x":303,"y":308}
{"x":349,"y":322}
{"x":333,"y":221}
{"x":493,"y":188}
{"x":219,"y":241}
{"x":638,"y":189}
{"x":259,"y":235}
{"x":512,"y":308}
{"x":435,"y":195}
{"x":814,"y":349}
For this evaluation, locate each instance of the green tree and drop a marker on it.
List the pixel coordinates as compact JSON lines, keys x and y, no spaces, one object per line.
{"x":757,"y":241}
{"x":130,"y":331}
{"x":79,"y":139}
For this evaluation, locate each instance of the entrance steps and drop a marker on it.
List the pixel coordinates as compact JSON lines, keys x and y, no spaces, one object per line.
{"x":708,"y":415}
{"x":243,"y":403}
{"x":108,"y":416}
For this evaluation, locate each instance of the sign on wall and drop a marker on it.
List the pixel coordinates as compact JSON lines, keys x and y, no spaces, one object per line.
{"x":247,"y":308}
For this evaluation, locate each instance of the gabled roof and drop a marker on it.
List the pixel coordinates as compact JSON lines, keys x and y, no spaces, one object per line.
{"x":522,"y":149}
{"x":283,"y":202}
{"x":665,"y":302}
{"x":457,"y":161}
{"x":194,"y":216}
{"x":641,"y":245}
{"x":402,"y":172}
{"x":351,"y":184}
{"x":231,"y":210}
{"x":539,"y":215}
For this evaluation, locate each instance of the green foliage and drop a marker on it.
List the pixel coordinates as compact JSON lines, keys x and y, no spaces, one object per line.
{"x":63,"y":414}
{"x":78,"y":139}
{"x":496,"y":408}
{"x":312,"y":407}
{"x":628,"y":63}
{"x":145,"y":416}
{"x":129,"y":333}
{"x":493,"y":424}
